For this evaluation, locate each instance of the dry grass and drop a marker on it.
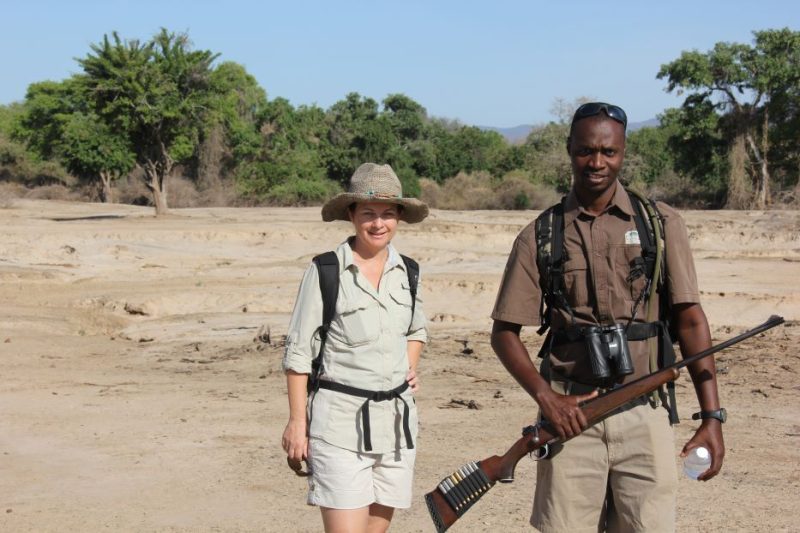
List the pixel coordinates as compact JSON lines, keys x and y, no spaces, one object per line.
{"x":51,"y":192}
{"x":10,"y":191}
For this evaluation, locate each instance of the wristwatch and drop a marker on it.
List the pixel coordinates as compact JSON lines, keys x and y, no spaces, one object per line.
{"x":720,"y":414}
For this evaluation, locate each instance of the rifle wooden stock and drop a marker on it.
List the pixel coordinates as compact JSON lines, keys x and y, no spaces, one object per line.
{"x":462,"y":489}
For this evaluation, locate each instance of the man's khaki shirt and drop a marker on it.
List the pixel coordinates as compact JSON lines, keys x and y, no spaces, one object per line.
{"x":599,"y":250}
{"x":366,"y":348}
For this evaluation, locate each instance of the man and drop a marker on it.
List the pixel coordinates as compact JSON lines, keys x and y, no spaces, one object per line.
{"x":620,"y":473}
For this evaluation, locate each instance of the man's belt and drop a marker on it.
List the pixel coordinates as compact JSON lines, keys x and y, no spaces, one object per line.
{"x":373,"y":396}
{"x":635,"y":332}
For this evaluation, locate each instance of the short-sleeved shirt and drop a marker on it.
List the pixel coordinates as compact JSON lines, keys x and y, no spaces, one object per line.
{"x":599,"y":251}
{"x":367,"y":348}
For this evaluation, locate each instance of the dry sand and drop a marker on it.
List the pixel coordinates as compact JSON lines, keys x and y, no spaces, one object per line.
{"x":141,"y":387}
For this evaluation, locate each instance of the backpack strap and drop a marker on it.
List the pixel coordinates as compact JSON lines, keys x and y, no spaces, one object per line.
{"x":662,"y":353}
{"x":550,"y":260}
{"x":328,"y":270}
{"x":646,"y":236}
{"x":412,"y":270}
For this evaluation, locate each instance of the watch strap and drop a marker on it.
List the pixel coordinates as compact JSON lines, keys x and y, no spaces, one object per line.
{"x":720,"y":414}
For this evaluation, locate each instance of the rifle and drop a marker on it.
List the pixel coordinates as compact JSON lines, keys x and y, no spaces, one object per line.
{"x":459,"y":491}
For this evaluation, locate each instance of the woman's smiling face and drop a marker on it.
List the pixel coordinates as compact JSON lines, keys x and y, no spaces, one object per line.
{"x":375,"y":224}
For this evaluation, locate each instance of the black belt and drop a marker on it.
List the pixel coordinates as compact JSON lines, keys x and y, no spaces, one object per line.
{"x":635,"y":332}
{"x":373,"y":396}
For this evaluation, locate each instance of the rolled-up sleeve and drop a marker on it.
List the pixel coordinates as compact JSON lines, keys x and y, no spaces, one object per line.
{"x":418,"y":330}
{"x":302,"y":339}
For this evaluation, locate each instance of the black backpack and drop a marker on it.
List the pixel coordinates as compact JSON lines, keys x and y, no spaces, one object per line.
{"x":328,"y":269}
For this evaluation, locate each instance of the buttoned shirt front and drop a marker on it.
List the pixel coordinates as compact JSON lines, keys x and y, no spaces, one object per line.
{"x":599,"y":252}
{"x":366,"y":348}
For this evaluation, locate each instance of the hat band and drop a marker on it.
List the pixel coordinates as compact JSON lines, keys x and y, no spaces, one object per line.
{"x":384,"y":195}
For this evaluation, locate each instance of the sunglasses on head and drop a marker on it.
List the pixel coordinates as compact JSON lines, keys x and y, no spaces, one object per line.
{"x":594,"y":108}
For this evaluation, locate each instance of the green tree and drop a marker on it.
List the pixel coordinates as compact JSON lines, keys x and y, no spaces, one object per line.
{"x":47,"y":108}
{"x":9,"y":118}
{"x":56,"y":123}
{"x":91,"y":150}
{"x":696,"y":142}
{"x":546,"y":155}
{"x":650,"y":147}
{"x":288,"y":169}
{"x":157,"y":93}
{"x":743,"y":82}
{"x":406,"y":117}
{"x":230,"y":136}
{"x":469,"y":149}
{"x":356,"y":132}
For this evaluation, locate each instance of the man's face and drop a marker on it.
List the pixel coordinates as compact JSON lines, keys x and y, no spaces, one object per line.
{"x":596,"y":149}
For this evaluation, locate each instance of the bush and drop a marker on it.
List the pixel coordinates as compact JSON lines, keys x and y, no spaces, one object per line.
{"x":132,"y":190}
{"x":410,"y":182}
{"x":467,"y":191}
{"x":9,"y":192}
{"x":680,"y":191}
{"x":50,"y":192}
{"x":299,"y":191}
{"x":481,"y":191}
{"x":515,"y":192}
{"x":182,"y":193}
{"x":429,"y":192}
{"x":222,"y":196}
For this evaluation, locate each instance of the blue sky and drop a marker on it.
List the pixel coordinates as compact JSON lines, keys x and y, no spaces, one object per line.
{"x":494,"y":63}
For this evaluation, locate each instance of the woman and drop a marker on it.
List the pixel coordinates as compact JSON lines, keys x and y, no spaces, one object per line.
{"x":359,"y":445}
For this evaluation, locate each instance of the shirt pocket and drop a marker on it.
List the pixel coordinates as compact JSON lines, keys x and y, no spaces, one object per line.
{"x":627,"y":260}
{"x":355,"y":320}
{"x":576,"y":281}
{"x":401,"y":312}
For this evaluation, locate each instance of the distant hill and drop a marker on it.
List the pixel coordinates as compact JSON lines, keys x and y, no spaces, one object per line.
{"x":514,"y":135}
{"x":518,"y":134}
{"x":651,"y":123}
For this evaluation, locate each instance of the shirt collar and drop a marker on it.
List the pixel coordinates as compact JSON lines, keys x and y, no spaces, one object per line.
{"x":620,"y":200}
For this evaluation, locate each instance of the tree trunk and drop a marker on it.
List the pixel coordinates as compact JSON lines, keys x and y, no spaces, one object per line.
{"x":765,"y":151}
{"x":211,"y":154}
{"x":796,"y":194}
{"x":106,"y":192}
{"x":156,"y":182}
{"x":762,"y":175}
{"x":739,"y":188}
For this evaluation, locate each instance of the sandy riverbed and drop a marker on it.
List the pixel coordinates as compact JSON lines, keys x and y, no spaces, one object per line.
{"x":141,"y":387}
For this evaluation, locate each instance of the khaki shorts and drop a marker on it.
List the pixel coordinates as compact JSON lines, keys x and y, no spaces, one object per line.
{"x":344,"y":479}
{"x":632,"y":454}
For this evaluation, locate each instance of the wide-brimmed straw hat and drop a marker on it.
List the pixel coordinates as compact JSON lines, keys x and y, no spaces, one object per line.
{"x":374,"y":183}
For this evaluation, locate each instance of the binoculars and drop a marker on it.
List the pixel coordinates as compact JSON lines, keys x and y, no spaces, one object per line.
{"x":608,"y":351}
